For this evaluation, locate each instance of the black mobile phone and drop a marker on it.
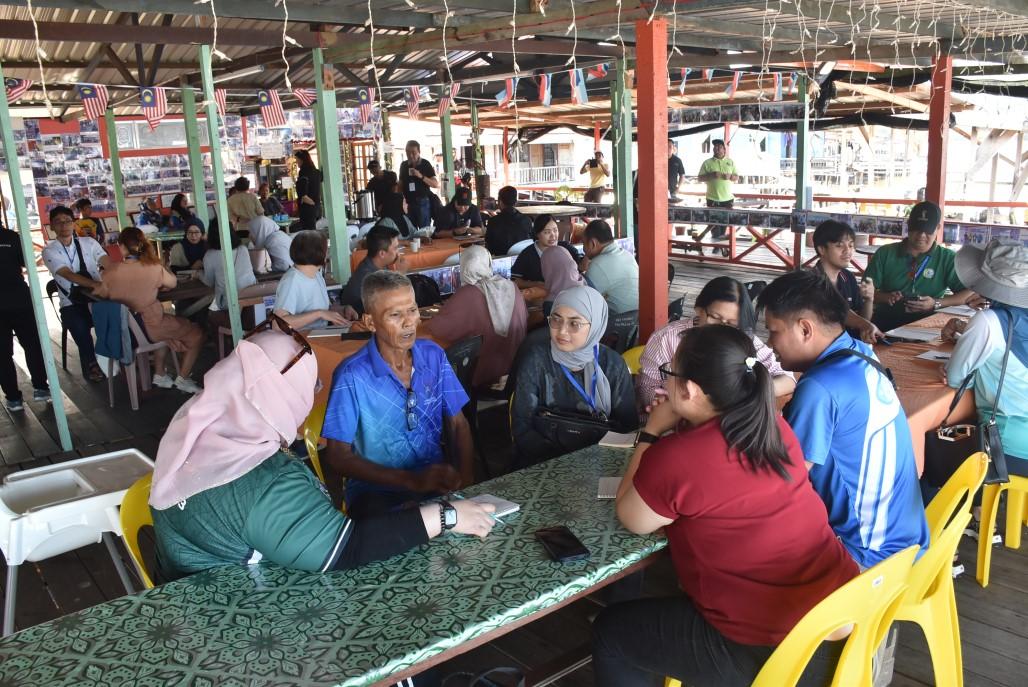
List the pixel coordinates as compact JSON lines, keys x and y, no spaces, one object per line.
{"x":593,"y":163}
{"x":562,"y":545}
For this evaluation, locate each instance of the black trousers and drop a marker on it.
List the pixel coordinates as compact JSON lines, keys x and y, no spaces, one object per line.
{"x":21,"y":323}
{"x":309,"y":215}
{"x":718,"y":231}
{"x":79,"y":321}
{"x":638,"y":643}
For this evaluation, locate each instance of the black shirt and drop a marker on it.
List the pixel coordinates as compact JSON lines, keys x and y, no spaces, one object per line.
{"x":505,"y":229}
{"x":377,"y":186}
{"x":420,"y":189}
{"x":846,"y":284}
{"x":448,"y":218}
{"x":12,"y":284}
{"x":529,"y":265}
{"x":308,"y":183}
{"x":675,"y":172}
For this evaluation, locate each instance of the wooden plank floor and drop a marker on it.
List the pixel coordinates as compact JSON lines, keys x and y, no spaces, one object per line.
{"x":993,"y":621}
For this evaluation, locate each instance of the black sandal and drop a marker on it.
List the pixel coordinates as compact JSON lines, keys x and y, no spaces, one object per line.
{"x":95,"y":374}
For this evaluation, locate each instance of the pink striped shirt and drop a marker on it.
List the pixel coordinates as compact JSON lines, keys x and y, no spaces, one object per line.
{"x":661,"y":348}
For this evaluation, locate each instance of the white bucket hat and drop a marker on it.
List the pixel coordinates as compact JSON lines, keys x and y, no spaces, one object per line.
{"x":999,"y":271}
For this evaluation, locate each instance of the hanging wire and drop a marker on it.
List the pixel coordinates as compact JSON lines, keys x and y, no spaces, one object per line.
{"x":573,"y":60}
{"x":214,"y":42}
{"x":40,"y":56}
{"x":370,"y":24}
{"x":286,"y":39}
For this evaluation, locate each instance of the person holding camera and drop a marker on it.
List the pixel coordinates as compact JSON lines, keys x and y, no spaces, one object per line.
{"x":598,"y":172}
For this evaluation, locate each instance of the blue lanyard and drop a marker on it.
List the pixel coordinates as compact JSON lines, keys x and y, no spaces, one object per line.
{"x":578,"y":387}
{"x":920,"y":269}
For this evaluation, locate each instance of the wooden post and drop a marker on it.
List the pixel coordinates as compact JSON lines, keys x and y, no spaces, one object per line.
{"x":802,"y":147}
{"x":621,"y":129}
{"x":505,"y":151}
{"x":220,"y":201}
{"x":331,"y":168}
{"x":596,"y":136}
{"x":446,"y":132}
{"x":28,"y":251}
{"x":651,"y":73}
{"x":481,"y":189}
{"x":938,"y":129}
{"x":195,"y":155}
{"x":119,"y":185}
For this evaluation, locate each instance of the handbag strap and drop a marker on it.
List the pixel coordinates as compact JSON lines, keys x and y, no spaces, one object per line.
{"x":1003,"y":368}
{"x":957,"y":396}
{"x":843,"y":352}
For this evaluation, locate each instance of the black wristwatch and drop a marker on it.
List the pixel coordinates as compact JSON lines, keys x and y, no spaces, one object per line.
{"x":447,"y":515}
{"x":646,"y":438}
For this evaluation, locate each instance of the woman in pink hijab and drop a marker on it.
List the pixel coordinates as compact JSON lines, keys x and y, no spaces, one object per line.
{"x":224,"y":492}
{"x":560,"y":273}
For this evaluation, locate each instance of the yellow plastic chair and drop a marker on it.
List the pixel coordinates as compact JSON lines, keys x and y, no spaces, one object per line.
{"x":1016,"y":489}
{"x":312,"y":435}
{"x":135,"y":514}
{"x":930,"y":601}
{"x":632,"y":356}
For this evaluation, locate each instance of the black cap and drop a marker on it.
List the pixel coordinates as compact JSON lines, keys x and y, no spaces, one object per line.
{"x":924,"y":217}
{"x":717,"y":142}
{"x":462,"y":196}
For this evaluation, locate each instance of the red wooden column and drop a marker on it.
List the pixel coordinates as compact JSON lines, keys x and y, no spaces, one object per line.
{"x":596,"y":136}
{"x":938,"y":129}
{"x":651,"y":82}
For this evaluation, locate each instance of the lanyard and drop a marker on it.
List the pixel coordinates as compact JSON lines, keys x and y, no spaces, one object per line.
{"x":71,"y":259}
{"x":915,"y":274}
{"x":578,"y":387}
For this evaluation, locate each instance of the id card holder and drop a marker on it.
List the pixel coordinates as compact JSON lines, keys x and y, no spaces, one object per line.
{"x":410,"y":187}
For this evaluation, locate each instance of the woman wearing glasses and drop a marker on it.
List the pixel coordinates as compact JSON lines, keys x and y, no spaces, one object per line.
{"x":573,"y":375}
{"x":226,"y":493}
{"x":188,"y":253}
{"x":721,"y":471}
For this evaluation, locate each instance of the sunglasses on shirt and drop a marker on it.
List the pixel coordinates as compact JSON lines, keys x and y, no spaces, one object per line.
{"x":270,"y":323}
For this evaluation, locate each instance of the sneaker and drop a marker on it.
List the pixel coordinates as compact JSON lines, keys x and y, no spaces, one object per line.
{"x":187,"y":385}
{"x":41,"y":395}
{"x":15,"y":404}
{"x":972,"y":530}
{"x":163,"y":381}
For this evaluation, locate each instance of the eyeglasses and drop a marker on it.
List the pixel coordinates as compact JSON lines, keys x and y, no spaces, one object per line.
{"x":268,"y":324}
{"x":574,"y":326}
{"x":63,"y":222}
{"x":412,"y":403}
{"x":715,"y":318}
{"x":667,"y":371}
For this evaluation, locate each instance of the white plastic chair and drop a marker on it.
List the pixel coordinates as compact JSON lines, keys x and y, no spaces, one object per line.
{"x":141,"y":367}
{"x":520,"y":246}
{"x":452,"y":260}
{"x":58,"y":508}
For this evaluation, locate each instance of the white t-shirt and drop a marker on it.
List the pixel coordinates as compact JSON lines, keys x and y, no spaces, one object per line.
{"x":56,"y":255}
{"x":214,"y":273}
{"x":297,"y":294}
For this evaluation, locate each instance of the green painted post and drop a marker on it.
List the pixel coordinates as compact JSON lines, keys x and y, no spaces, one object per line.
{"x":621,"y":130}
{"x":119,"y":186}
{"x":802,"y":149}
{"x":476,"y":148}
{"x":195,"y":156}
{"x":25,"y":234}
{"x":220,"y":202}
{"x":331,"y":169}
{"x":447,"y":142}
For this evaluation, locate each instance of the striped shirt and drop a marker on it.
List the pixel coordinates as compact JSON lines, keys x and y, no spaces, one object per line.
{"x":661,"y":348}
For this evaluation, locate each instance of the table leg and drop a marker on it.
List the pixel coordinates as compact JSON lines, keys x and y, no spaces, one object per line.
{"x":119,"y":565}
{"x":11,"y":594}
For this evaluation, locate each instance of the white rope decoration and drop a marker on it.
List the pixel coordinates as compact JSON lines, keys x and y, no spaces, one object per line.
{"x":214,"y":42}
{"x":573,"y":60}
{"x":517,"y":72}
{"x":286,"y":38}
{"x":370,"y":24}
{"x":446,"y":53}
{"x":40,"y":56}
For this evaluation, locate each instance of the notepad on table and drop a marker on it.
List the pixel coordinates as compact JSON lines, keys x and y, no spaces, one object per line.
{"x":503,"y":506}
{"x":919,"y":334}
{"x":608,"y":487}
{"x":327,"y":331}
{"x":618,"y":440}
{"x":962,"y":310}
{"x":935,"y":356}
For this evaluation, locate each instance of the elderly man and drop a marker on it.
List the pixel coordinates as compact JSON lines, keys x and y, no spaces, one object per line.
{"x":912,"y":276}
{"x":388,"y":406}
{"x":612,"y":270}
{"x":417,"y":179}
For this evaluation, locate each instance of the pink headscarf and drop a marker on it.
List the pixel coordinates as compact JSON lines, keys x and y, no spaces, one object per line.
{"x":559,"y":271}
{"x":242,"y":417}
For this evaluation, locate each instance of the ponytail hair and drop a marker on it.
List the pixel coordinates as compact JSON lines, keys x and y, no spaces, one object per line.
{"x":137,"y":246}
{"x":721,"y":360}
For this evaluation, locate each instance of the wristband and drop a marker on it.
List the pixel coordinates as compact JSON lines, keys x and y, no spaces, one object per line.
{"x":646,"y":438}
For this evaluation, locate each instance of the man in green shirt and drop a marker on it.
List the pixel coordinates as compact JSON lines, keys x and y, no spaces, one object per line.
{"x":912,"y":276}
{"x":719,"y":174}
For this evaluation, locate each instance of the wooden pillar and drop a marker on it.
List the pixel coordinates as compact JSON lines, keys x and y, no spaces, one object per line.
{"x":446,"y":132}
{"x":27,"y":250}
{"x":220,"y":201}
{"x":119,"y":182}
{"x":481,"y":188}
{"x":938,"y":129}
{"x":195,"y":155}
{"x":596,"y":136}
{"x":651,"y":74}
{"x":621,"y":130}
{"x":331,"y":168}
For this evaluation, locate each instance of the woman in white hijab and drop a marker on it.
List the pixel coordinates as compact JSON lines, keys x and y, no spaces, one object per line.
{"x":485,"y":305}
{"x":224,"y":492}
{"x":572,"y":375}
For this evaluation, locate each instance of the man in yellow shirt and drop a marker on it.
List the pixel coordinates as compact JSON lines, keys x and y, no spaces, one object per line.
{"x":719,"y":174}
{"x":598,"y":173}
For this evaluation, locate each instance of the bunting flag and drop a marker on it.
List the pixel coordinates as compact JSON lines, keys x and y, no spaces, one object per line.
{"x":599,"y":71}
{"x":708,"y":73}
{"x":447,"y":98}
{"x":221,"y":100}
{"x":579,"y":94}
{"x":154,"y":101}
{"x":15,"y":88}
{"x":306,"y":96}
{"x":506,"y":96}
{"x":94,"y":99}
{"x":793,"y":80}
{"x":271,"y":109}
{"x":412,"y":98}
{"x":778,"y":86}
{"x":365,"y":102}
{"x":545,"y":94}
{"x":685,"y":75}
{"x":733,"y":86}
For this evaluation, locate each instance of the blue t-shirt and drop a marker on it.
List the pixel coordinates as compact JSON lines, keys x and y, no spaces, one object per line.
{"x":297,"y":294}
{"x":367,"y":407}
{"x":854,"y":430}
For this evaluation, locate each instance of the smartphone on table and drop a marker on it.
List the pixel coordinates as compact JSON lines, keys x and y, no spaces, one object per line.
{"x":561,"y":544}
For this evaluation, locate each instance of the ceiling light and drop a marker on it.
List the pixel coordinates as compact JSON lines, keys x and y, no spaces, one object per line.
{"x":249,"y":71}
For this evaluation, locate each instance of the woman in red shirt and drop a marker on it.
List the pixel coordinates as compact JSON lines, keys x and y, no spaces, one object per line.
{"x":749,"y":537}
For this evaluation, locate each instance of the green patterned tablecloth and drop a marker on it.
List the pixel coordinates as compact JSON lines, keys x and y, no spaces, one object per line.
{"x":269,"y":626}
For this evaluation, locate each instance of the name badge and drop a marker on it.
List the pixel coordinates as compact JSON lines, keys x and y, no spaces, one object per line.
{"x":410,"y":187}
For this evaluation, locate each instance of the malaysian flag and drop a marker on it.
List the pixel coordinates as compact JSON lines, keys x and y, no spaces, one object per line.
{"x":506,"y":96}
{"x":15,"y":88}
{"x":154,"y":101}
{"x":271,"y":109}
{"x":365,"y":101}
{"x":545,"y":95}
{"x":94,"y":99}
{"x":411,"y":98}
{"x":306,"y":96}
{"x":221,"y":101}
{"x":447,"y":98}
{"x":579,"y":94}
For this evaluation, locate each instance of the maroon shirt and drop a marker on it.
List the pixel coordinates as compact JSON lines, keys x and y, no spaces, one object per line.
{"x":753,"y":551}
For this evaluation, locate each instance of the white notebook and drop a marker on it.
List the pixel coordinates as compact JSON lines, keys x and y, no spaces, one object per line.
{"x":503,"y":506}
{"x":608,"y":488}
{"x":618,"y":440}
{"x":924,"y":334}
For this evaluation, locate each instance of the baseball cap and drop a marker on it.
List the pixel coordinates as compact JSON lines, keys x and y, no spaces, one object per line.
{"x":924,"y":217}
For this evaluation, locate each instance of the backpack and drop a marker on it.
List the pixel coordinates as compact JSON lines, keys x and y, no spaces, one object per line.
{"x":426,"y":291}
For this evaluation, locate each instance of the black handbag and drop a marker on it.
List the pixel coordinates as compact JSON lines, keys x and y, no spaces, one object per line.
{"x":948,"y":446}
{"x":77,"y":294}
{"x":570,"y":430}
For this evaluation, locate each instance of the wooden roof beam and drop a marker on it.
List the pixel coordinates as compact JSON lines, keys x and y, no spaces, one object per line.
{"x":156,"y":35}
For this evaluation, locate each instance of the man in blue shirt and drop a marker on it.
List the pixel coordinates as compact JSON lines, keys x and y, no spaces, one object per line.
{"x":848,"y":419}
{"x":388,"y":405}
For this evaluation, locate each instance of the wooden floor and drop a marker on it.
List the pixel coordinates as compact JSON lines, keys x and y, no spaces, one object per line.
{"x":993,"y":621}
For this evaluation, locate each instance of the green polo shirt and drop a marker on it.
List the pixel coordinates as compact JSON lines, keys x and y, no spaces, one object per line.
{"x":277,"y":512}
{"x":718,"y":190}
{"x":892,"y":268}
